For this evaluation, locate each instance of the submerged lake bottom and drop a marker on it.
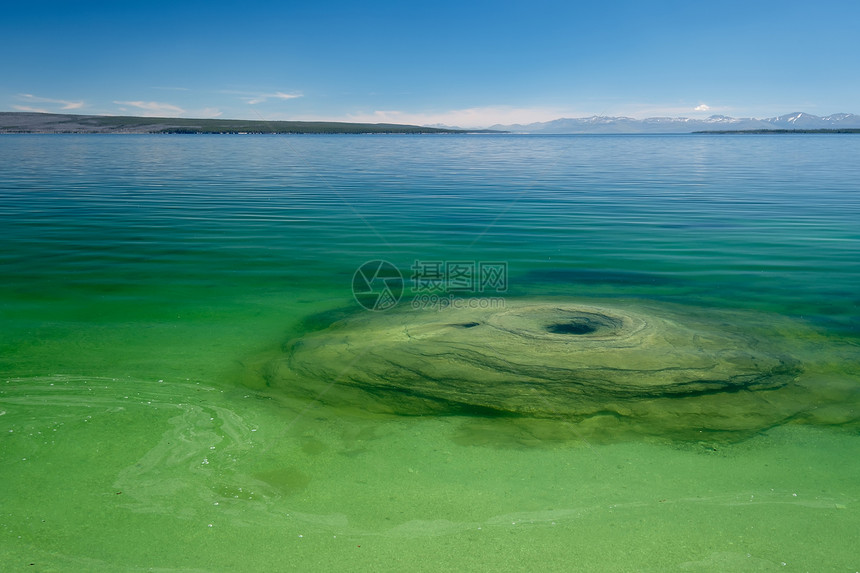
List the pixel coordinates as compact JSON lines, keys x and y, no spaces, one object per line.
{"x":657,"y":372}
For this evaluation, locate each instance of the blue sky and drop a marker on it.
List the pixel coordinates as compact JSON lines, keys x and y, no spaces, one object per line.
{"x":460,"y":63}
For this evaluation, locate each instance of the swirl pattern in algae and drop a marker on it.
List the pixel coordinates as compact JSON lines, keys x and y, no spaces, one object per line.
{"x":655,"y":369}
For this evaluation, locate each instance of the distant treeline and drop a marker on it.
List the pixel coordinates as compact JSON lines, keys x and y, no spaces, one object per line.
{"x":294,"y":127}
{"x":766,"y":131}
{"x":27,"y":122}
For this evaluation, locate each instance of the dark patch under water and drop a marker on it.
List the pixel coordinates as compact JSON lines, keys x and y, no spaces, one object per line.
{"x":570,"y":328}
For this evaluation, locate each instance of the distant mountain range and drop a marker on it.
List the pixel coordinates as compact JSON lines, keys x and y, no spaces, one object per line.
{"x":31,"y":122}
{"x":604,"y":124}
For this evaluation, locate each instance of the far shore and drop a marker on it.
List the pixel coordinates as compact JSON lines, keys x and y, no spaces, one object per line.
{"x":31,"y":122}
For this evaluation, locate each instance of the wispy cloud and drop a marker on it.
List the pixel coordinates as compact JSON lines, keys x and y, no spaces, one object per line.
{"x":646,"y":110}
{"x":151,"y":108}
{"x":162,"y":109}
{"x":64,"y":104}
{"x":208,"y":112}
{"x":254,"y":99}
{"x":31,"y":109}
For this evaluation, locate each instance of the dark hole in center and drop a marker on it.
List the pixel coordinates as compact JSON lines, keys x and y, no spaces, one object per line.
{"x":570,"y":328}
{"x":468,"y":324}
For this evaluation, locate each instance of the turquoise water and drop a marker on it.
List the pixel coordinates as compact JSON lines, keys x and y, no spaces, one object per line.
{"x":145,"y":278}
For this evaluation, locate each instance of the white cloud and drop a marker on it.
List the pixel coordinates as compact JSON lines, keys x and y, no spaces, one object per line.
{"x":31,"y":109}
{"x":162,"y":109}
{"x":152,"y":108}
{"x":473,"y":117}
{"x":64,"y":104}
{"x":208,"y":112}
{"x":260,"y":98}
{"x":645,"y":110}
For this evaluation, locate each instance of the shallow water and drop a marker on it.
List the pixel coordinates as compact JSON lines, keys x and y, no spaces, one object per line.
{"x":145,"y":278}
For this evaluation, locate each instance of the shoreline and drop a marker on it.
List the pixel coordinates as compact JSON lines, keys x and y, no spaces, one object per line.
{"x":50,"y":123}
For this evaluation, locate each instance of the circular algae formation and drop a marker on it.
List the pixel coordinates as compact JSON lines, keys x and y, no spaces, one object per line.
{"x":656,"y":369}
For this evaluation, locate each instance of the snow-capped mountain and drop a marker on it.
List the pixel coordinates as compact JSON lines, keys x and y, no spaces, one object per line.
{"x":604,"y":124}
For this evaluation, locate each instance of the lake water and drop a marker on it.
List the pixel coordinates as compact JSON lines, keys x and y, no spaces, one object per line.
{"x":147,"y":281}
